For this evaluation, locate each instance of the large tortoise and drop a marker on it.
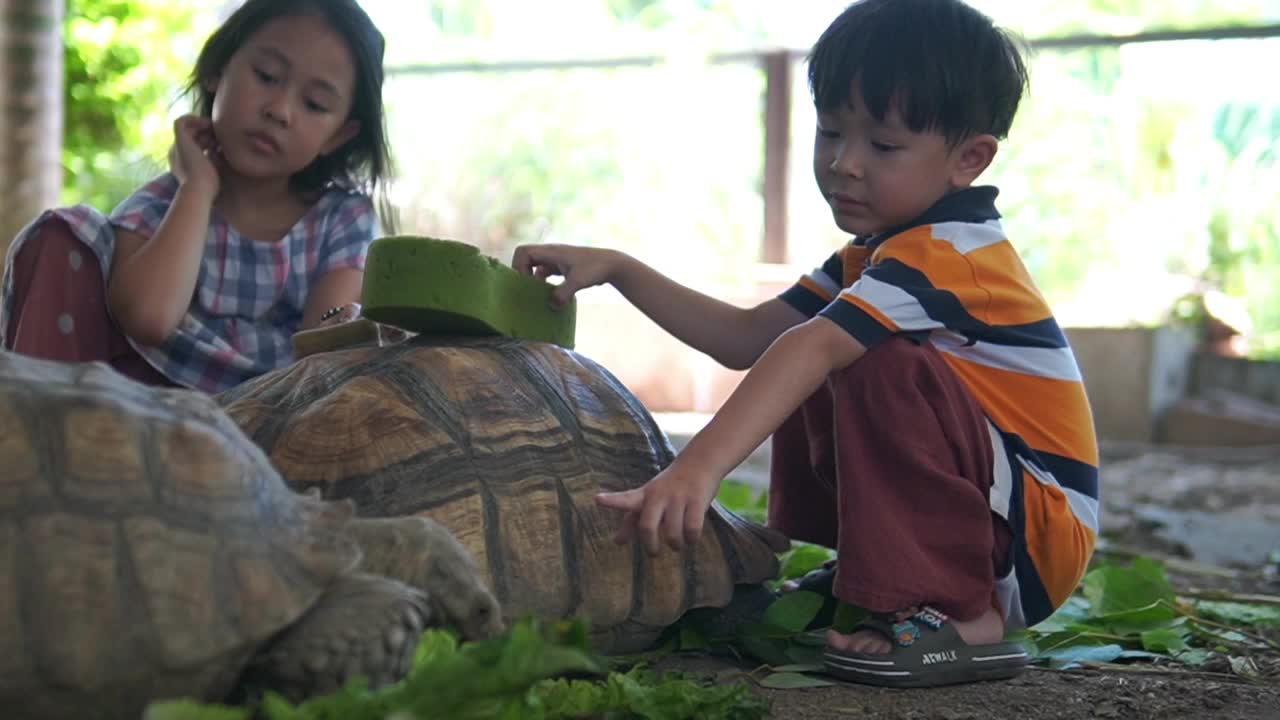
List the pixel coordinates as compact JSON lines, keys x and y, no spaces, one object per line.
{"x":505,"y":442}
{"x":148,"y":550}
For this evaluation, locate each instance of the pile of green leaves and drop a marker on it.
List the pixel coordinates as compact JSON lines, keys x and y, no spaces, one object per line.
{"x":1127,"y":613}
{"x":534,"y":672}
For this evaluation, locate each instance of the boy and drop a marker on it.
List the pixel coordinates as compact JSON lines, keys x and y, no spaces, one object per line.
{"x":927,"y":413}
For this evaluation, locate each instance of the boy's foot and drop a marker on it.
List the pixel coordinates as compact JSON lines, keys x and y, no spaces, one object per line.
{"x":924,"y":648}
{"x":984,"y":629}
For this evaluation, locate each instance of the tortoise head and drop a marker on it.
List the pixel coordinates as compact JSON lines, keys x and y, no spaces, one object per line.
{"x":458,"y":592}
{"x":422,"y":553}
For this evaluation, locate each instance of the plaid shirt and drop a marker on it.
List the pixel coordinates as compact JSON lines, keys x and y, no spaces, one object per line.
{"x":249,"y":294}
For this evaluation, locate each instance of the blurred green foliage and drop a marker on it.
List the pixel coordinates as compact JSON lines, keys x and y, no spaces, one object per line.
{"x":1148,"y":168}
{"x":125,"y":61}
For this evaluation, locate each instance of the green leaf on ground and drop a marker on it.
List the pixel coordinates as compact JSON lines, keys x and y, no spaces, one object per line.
{"x":1071,"y":656}
{"x":1111,"y":588}
{"x":803,"y":558}
{"x":1164,"y":641}
{"x":793,"y":680}
{"x":188,"y":710}
{"x":798,"y":668}
{"x":794,"y":611}
{"x":1239,"y":613}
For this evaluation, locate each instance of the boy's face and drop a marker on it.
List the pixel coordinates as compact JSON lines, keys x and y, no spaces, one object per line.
{"x":876,"y":175}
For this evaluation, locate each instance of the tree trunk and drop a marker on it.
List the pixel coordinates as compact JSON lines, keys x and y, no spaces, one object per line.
{"x":30,"y":111}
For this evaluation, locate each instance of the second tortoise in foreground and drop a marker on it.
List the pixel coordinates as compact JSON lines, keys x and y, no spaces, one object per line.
{"x":148,"y":550}
{"x":506,"y":443}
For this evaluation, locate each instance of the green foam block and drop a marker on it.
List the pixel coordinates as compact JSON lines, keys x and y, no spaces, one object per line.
{"x":445,"y":287}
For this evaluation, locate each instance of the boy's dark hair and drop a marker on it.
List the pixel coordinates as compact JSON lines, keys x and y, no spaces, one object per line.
{"x":364,"y":161}
{"x":942,"y":64}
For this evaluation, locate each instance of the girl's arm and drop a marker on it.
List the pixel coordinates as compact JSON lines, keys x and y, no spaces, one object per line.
{"x":672,"y":506}
{"x":151,"y":282}
{"x":333,"y":289}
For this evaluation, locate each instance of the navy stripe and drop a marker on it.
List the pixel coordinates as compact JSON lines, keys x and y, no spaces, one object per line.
{"x":944,"y":307}
{"x":1035,"y":602}
{"x":807,"y":301}
{"x":855,"y":321}
{"x":803,"y":299}
{"x":1079,"y":476}
{"x":834,"y":268}
{"x":971,"y":205}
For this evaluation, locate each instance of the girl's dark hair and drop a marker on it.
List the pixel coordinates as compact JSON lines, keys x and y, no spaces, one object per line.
{"x":363,"y":163}
{"x":944,"y":65}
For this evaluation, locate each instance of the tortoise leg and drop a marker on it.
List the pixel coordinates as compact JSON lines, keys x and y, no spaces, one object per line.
{"x":425,"y":555}
{"x":362,"y":625}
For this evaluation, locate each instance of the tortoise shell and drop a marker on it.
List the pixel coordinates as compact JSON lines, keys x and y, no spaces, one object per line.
{"x":147,"y":548}
{"x":504,"y":442}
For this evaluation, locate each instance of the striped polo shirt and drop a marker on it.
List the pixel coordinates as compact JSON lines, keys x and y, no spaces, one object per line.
{"x":952,"y":276}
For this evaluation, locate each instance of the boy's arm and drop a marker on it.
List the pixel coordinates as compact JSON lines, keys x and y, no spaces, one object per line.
{"x":733,"y":336}
{"x":673,"y":504}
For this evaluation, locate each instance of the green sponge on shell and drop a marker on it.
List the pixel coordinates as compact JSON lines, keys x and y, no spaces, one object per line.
{"x":445,"y":287}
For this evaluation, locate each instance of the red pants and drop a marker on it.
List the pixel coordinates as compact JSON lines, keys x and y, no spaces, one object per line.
{"x":890,"y":463}
{"x":59,"y":309}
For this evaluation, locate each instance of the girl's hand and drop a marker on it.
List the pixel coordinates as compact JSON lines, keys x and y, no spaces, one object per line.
{"x":340,"y":314}
{"x":581,"y":267}
{"x":671,"y":507}
{"x":195,"y":158}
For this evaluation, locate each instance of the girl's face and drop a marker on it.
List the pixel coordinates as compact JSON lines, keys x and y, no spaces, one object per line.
{"x":284,"y":98}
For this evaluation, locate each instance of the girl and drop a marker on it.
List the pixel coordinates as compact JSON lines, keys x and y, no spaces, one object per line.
{"x":260,"y":229}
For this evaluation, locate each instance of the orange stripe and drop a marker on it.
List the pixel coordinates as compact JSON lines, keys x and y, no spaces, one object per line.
{"x":852,"y":261}
{"x":870,"y":309}
{"x":1049,"y":414}
{"x":1015,"y":299}
{"x":1059,"y":545}
{"x":991,"y":282}
{"x":808,"y":284}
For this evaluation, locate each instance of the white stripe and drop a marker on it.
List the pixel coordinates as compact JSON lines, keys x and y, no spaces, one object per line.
{"x":993,"y":658}
{"x":1010,"y":596}
{"x":967,"y":237}
{"x":1002,"y":475}
{"x":1083,"y":507}
{"x":836,"y":661}
{"x":1053,"y":363}
{"x":894,"y":302}
{"x":828,"y":284}
{"x":861,"y":661}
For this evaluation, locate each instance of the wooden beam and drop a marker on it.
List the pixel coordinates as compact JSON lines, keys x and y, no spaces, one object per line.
{"x":777,"y":153}
{"x":1064,"y":42}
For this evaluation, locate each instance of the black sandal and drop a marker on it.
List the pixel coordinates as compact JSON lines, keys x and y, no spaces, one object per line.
{"x":927,"y":651}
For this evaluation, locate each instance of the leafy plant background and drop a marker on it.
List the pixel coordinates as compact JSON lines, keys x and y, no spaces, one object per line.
{"x":1150,"y":168}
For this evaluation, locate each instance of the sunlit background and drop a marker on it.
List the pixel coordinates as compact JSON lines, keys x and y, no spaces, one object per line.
{"x":1136,"y":175}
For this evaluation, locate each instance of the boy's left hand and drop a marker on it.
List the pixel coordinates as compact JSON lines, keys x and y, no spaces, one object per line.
{"x":670,"y":507}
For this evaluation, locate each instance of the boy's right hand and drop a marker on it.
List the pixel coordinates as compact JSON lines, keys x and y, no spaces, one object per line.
{"x":581,"y":267}
{"x":195,"y":157}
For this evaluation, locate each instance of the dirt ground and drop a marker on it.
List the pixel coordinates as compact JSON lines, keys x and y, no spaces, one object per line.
{"x":1212,"y":515}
